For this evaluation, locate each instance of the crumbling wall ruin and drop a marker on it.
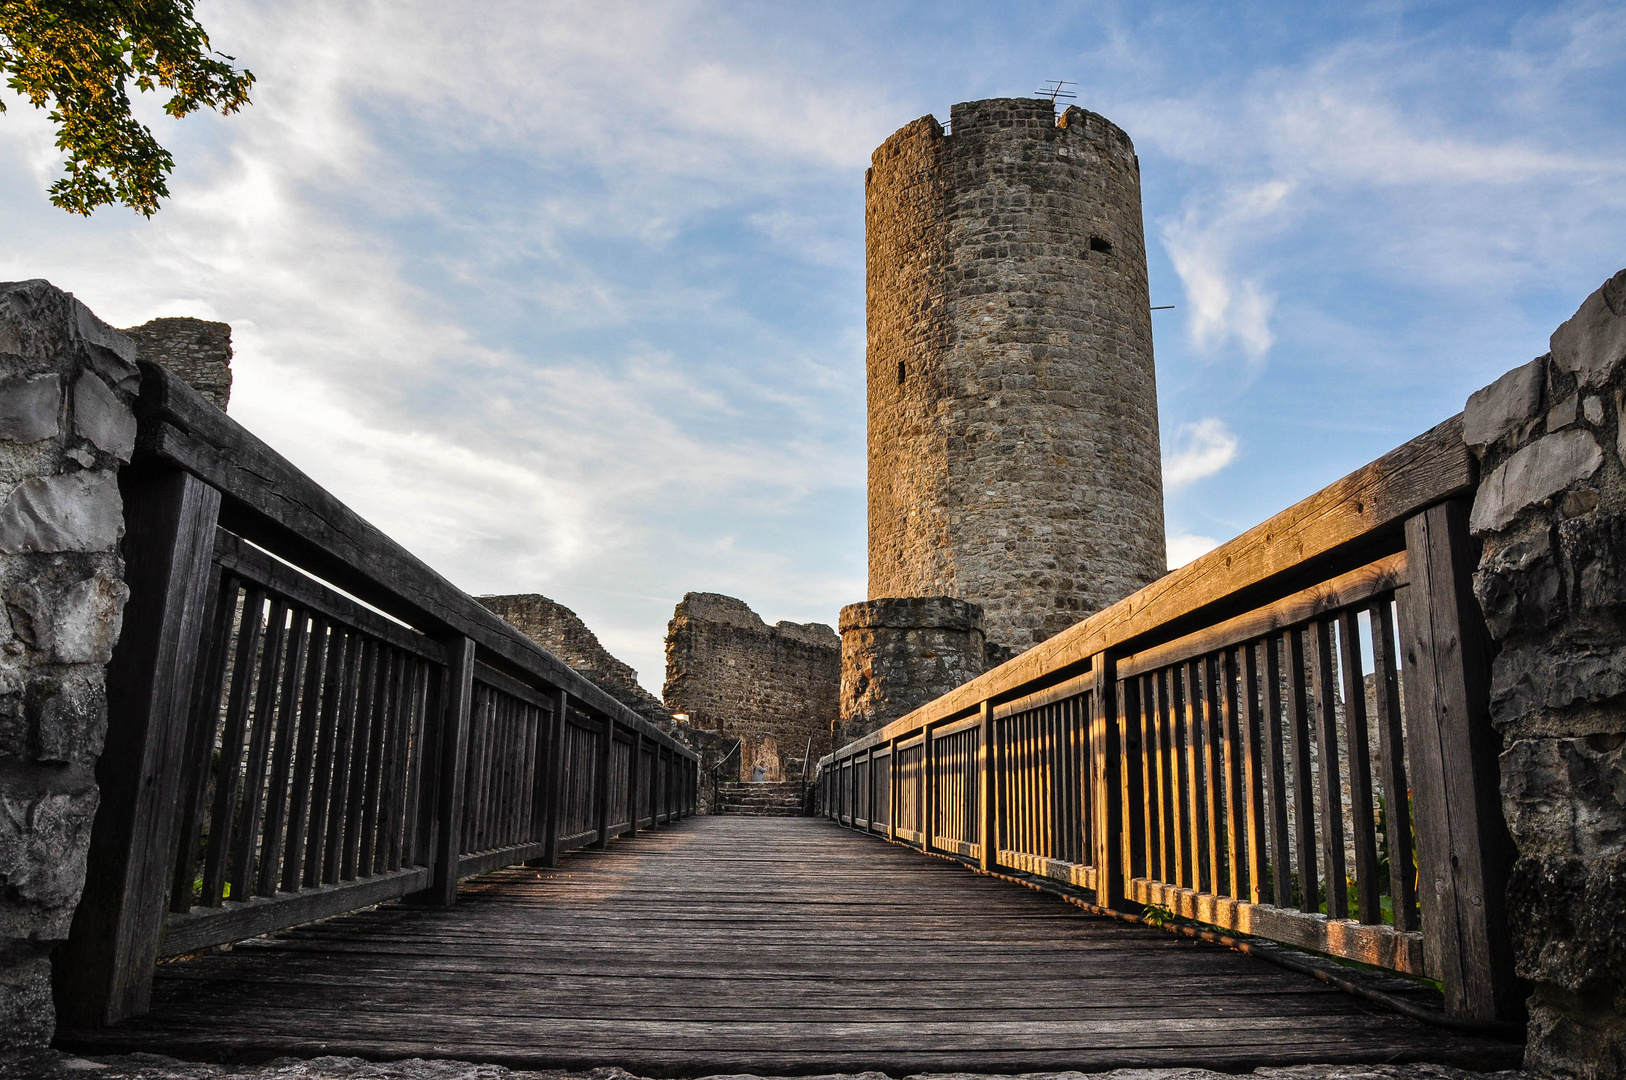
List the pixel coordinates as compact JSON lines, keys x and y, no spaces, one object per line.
{"x":775,"y":688}
{"x":561,"y":631}
{"x":1551,"y":512}
{"x":197,"y":350}
{"x":67,"y":383}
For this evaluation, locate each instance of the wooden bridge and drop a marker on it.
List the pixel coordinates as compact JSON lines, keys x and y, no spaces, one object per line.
{"x":427,"y":836}
{"x":776,"y":946}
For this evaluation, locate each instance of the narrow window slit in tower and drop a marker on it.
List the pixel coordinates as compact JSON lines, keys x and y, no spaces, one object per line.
{"x":900,"y":372}
{"x":1101,"y":244}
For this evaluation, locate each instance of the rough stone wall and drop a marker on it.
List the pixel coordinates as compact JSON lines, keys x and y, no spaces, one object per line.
{"x":196,"y":350}
{"x":1551,"y":512}
{"x":561,"y":631}
{"x":899,"y":653}
{"x":1013,"y":442}
{"x":67,"y":382}
{"x":772,"y":687}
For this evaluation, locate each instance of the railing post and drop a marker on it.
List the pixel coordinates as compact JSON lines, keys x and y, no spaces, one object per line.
{"x":634,"y":796}
{"x":1106,"y":784}
{"x":986,"y":803}
{"x":891,"y":790}
{"x":456,"y":702}
{"x":928,"y":788}
{"x":556,"y":777}
{"x":1463,"y":848}
{"x":601,"y":790}
{"x":104,"y":973}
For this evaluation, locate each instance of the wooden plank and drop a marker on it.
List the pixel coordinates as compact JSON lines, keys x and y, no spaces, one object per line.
{"x":1391,"y":753}
{"x":304,"y":782}
{"x":1353,"y":588}
{"x":1333,"y":531}
{"x":1241,"y":831}
{"x":275,"y":505}
{"x":233,"y":741}
{"x":1299,"y":757}
{"x":1368,"y":907}
{"x":601,"y":787}
{"x":1060,"y":692}
{"x":239,"y":920}
{"x":456,"y":703}
{"x":209,"y":685}
{"x":986,"y":806}
{"x":1275,"y":767}
{"x":1328,"y":779}
{"x":104,"y":972}
{"x":1463,"y":850}
{"x":269,"y":874}
{"x":510,"y":855}
{"x":252,"y":564}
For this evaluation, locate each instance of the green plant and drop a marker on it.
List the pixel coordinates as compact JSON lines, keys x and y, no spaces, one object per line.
{"x":1157,"y":915}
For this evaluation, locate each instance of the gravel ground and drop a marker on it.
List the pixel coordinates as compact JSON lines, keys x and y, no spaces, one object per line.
{"x":56,"y":1066}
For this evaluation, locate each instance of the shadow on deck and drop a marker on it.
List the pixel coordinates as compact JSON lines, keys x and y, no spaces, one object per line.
{"x":762,"y":945}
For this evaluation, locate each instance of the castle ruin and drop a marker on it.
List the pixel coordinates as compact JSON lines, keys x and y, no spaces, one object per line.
{"x":772,"y":687}
{"x":1014,"y":458}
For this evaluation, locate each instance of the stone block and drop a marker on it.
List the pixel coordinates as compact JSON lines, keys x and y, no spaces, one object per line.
{"x":1533,"y":474}
{"x":101,"y":417}
{"x":1564,"y":413}
{"x":71,"y":720}
{"x":1506,"y":407}
{"x":1517,"y":583}
{"x":1560,"y":685}
{"x":1592,"y":549}
{"x":27,"y":1015}
{"x":1576,"y":1037}
{"x":1566,"y":797}
{"x":88,"y":619}
{"x":29,"y":407}
{"x":1592,"y":343}
{"x":76,"y":511}
{"x":1569,"y":921}
{"x":43,"y":841}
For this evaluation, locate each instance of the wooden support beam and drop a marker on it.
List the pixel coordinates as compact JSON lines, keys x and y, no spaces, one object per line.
{"x":1107,"y":788}
{"x":601,"y":789}
{"x":1463,"y":849}
{"x":104,"y":973}
{"x":986,"y":803}
{"x":554,"y":813}
{"x":456,"y":705}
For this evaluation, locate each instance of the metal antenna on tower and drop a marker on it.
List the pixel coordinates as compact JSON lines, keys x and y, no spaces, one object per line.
{"x":1054,"y":89}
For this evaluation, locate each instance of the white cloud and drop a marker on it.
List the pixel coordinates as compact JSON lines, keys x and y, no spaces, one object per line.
{"x":1206,"y":447}
{"x":1186,"y":547}
{"x":1206,"y":244}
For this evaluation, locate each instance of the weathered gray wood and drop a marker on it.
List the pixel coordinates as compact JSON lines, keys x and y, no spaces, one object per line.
{"x":208,"y":680}
{"x":104,"y":973}
{"x":1391,"y":750}
{"x":456,"y":703}
{"x":1368,"y":906}
{"x":715,"y":957}
{"x":1298,"y":702}
{"x":236,"y":921}
{"x":601,"y":789}
{"x":1463,"y":850}
{"x":1275,"y":767}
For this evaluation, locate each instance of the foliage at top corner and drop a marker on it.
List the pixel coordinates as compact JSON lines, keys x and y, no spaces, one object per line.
{"x":79,"y":57}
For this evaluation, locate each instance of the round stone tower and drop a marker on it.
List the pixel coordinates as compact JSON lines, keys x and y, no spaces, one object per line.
{"x":1013,"y":442}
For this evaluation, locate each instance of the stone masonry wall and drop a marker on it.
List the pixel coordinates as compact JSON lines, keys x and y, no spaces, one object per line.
{"x":196,"y":350}
{"x":1013,"y":440}
{"x":772,"y":687}
{"x":561,"y":631}
{"x":899,"y":653}
{"x":67,"y":382}
{"x":1551,"y":512}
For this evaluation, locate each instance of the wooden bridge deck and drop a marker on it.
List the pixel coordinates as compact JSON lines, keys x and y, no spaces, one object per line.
{"x":765,"y":945}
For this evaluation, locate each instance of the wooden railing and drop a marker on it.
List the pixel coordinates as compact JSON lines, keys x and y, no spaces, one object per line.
{"x":304,"y":719}
{"x":1229,"y":743}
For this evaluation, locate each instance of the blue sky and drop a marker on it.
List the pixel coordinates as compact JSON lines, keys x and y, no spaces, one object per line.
{"x":569,"y":297}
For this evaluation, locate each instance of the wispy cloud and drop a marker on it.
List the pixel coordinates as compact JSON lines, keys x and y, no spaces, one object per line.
{"x":1204,"y":448}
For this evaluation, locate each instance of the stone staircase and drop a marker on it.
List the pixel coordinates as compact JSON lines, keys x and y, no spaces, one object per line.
{"x":781,"y":798}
